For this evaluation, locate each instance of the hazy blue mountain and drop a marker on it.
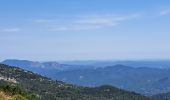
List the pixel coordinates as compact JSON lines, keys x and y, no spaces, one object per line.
{"x":44,"y":68}
{"x":143,"y":80}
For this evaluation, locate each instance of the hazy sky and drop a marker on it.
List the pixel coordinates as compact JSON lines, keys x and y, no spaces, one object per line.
{"x":84,"y":29}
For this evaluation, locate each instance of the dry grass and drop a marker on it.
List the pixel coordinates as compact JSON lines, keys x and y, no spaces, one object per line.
{"x":4,"y":96}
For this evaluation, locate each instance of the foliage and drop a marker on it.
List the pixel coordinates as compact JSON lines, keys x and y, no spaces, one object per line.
{"x":15,"y":92}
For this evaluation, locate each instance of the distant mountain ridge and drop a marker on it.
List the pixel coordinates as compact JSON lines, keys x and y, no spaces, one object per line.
{"x":143,"y":80}
{"x":44,"y":68}
{"x":135,"y":63}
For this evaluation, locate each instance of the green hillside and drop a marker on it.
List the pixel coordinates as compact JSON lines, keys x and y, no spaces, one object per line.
{"x":10,"y":91}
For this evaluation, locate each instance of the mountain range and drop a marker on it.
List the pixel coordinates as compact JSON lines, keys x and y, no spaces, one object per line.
{"x":48,"y":69}
{"x":151,"y":79}
{"x":45,"y":88}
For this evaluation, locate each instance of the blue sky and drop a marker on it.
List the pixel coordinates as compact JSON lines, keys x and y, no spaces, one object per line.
{"x":84,"y":29}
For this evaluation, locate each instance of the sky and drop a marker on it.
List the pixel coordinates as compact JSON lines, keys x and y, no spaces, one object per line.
{"x":84,"y":29}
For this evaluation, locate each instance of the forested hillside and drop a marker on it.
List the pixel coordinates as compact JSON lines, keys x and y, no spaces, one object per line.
{"x":10,"y":91}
